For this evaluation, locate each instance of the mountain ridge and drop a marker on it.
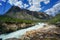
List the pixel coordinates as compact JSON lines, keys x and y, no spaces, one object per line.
{"x":17,"y":12}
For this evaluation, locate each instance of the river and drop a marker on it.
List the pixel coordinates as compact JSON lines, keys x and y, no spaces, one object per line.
{"x":19,"y":33}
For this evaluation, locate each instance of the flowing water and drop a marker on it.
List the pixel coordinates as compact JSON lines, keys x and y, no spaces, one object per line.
{"x":19,"y":33}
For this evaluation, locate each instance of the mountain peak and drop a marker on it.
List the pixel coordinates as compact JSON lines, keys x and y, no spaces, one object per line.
{"x":17,"y":12}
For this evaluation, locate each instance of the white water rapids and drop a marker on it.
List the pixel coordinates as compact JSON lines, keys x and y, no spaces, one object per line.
{"x":19,"y":33}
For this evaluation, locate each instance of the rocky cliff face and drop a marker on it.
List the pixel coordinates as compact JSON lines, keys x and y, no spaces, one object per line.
{"x":16,"y":12}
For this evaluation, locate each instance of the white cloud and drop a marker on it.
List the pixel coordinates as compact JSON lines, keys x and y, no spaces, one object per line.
{"x":19,"y":4}
{"x":0,"y":4}
{"x":12,"y":2}
{"x":25,"y":5}
{"x":34,"y":4}
{"x":33,"y":8}
{"x":30,"y":2}
{"x":53,"y":11}
{"x":4,"y":0}
{"x":46,"y":1}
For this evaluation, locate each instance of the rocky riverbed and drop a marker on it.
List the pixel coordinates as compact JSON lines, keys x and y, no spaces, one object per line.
{"x":48,"y":32}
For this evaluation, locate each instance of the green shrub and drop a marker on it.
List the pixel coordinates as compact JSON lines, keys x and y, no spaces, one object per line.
{"x":9,"y":19}
{"x":54,"y":19}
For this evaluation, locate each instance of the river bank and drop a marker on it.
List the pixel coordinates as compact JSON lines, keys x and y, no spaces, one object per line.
{"x":11,"y":27}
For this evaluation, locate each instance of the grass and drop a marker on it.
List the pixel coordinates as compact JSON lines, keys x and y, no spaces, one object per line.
{"x":9,"y":19}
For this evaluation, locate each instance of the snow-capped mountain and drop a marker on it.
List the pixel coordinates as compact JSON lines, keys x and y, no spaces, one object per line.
{"x":51,"y":7}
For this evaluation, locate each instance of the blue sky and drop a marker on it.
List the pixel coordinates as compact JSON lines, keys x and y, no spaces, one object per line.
{"x":32,"y":5}
{"x":4,"y":7}
{"x":49,"y":5}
